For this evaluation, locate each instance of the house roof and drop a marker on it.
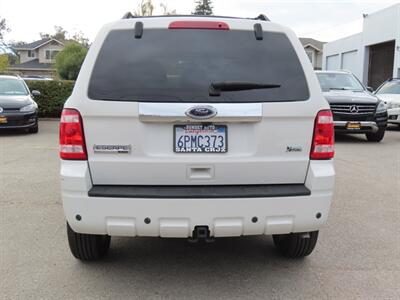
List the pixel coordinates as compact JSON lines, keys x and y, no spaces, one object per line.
{"x":36,"y":44}
{"x":318,"y":45}
{"x":32,"y":65}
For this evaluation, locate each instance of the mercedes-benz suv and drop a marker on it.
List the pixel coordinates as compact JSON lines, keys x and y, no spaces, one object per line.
{"x":355,"y":109}
{"x":199,"y":128}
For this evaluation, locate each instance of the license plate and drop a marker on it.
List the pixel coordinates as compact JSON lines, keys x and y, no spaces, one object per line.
{"x":353,"y":125}
{"x":199,"y":138}
{"x":393,"y":117}
{"x":3,"y":120}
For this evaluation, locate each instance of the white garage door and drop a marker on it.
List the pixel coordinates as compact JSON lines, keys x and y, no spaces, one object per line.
{"x":349,"y":61}
{"x":332,"y":62}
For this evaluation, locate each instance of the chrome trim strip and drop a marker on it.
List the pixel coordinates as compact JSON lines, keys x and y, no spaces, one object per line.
{"x":372,"y":125}
{"x":176,"y":112}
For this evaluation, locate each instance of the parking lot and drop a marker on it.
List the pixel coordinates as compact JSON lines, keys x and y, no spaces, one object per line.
{"x":357,"y":255}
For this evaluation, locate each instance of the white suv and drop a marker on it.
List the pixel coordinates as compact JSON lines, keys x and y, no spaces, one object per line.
{"x":199,"y":128}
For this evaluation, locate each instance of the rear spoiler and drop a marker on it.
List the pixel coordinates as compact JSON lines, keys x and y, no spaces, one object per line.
{"x":129,"y":15}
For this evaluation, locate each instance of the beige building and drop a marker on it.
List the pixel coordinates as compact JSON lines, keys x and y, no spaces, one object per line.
{"x":37,"y":58}
{"x":313,"y":49}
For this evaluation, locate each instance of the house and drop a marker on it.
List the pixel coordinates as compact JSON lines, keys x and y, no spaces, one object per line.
{"x":313,"y":49}
{"x":37,"y":58}
{"x":373,"y":55}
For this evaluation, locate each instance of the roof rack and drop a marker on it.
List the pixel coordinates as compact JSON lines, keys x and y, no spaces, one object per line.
{"x":262,"y":17}
{"x":129,"y":15}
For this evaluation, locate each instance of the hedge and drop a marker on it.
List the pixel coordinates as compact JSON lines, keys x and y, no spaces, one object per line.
{"x":54,"y":93}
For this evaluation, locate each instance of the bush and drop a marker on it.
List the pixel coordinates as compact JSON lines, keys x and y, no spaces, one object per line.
{"x":53,"y":95}
{"x":3,"y":62}
{"x":69,"y":60}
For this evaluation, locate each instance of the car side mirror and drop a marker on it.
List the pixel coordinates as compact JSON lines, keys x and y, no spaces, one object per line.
{"x":36,"y":93}
{"x":370,"y":89}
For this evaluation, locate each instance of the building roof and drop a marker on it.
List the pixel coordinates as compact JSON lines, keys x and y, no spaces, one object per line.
{"x":36,"y":44}
{"x":32,"y":65}
{"x":318,"y":45}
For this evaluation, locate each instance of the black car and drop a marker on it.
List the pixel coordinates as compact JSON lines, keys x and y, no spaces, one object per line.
{"x":355,"y":109}
{"x":18,"y":110}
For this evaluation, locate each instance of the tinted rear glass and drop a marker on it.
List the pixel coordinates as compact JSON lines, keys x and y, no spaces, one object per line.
{"x":179,"y":66}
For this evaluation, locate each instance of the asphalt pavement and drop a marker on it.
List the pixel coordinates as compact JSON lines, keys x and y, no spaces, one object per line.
{"x":357,"y":255}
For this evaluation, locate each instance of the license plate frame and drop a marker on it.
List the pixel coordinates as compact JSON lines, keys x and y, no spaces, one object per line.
{"x":201,"y":127}
{"x":353,"y":125}
{"x":3,"y":120}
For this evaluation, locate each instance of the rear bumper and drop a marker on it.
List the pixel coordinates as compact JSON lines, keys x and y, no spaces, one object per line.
{"x":394,"y":115}
{"x":177,"y":217}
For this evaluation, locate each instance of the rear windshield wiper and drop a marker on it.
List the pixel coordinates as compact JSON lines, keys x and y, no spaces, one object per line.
{"x":232,"y":86}
{"x":338,"y":89}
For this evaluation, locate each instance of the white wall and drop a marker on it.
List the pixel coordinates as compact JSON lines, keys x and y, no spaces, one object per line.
{"x":346,"y":45}
{"x":378,"y":27}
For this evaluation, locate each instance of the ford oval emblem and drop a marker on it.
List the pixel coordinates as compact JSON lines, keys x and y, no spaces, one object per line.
{"x":201,"y":112}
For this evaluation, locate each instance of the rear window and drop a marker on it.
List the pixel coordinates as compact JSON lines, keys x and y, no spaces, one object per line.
{"x":179,"y":66}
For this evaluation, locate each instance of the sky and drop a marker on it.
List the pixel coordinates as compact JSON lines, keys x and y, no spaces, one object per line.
{"x":325,"y":20}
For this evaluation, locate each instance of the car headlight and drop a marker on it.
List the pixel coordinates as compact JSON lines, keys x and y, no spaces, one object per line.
{"x":28,"y":108}
{"x":381,"y":107}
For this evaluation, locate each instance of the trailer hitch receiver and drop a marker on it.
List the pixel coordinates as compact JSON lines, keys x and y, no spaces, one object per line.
{"x":201,"y":233}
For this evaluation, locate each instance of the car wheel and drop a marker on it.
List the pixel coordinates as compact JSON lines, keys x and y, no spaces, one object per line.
{"x":34,"y":129}
{"x":376,"y":136}
{"x":296,"y":245}
{"x":87,"y":246}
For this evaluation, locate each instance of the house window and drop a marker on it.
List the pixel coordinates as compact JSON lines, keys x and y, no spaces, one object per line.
{"x":51,"y":54}
{"x":31,"y":53}
{"x":54,"y":54}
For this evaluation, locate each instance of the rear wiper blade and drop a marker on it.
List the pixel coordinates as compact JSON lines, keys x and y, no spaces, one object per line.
{"x":339,"y":89}
{"x":232,"y":86}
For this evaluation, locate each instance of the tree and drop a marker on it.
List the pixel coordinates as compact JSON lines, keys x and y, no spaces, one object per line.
{"x":3,"y":28}
{"x":69,"y":60}
{"x":145,"y":8}
{"x":80,"y":38}
{"x":60,"y":34}
{"x":3,"y":62}
{"x":203,"y":7}
{"x":166,"y":11}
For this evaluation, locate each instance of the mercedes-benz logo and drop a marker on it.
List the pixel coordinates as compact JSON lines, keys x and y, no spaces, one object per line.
{"x":354,"y":109}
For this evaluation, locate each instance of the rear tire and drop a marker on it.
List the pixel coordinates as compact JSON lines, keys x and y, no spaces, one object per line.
{"x":87,"y":246}
{"x":295,"y":245}
{"x":376,"y":136}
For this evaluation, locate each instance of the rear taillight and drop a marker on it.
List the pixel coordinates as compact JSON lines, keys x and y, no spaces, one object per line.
{"x":324,"y":136}
{"x":72,"y":139}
